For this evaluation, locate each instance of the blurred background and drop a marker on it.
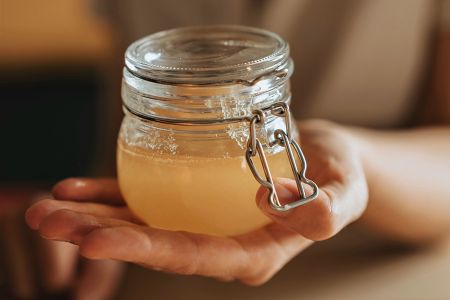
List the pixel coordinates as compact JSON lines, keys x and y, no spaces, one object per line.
{"x":53,"y":56}
{"x":60,"y":69}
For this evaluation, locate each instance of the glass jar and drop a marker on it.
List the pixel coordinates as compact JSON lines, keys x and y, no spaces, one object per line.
{"x":201,"y":105}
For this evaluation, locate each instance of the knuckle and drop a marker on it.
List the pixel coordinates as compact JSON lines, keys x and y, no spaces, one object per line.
{"x":323,"y":223}
{"x":50,"y":227}
{"x":44,"y":207}
{"x":259,"y":279}
{"x":263,"y":271}
{"x":56,"y":218}
{"x":62,"y":214}
{"x":38,"y":212}
{"x":47,"y":203}
{"x":188,"y":263}
{"x":189,"y":268}
{"x":334,"y":169}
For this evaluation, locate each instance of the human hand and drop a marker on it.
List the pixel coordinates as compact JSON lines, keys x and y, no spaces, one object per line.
{"x":59,"y":271}
{"x":64,"y":273}
{"x":106,"y":229}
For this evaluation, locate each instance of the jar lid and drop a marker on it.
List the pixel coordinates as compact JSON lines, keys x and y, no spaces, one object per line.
{"x":207,"y":55}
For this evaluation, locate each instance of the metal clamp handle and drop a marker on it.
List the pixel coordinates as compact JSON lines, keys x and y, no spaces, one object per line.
{"x":284,"y":139}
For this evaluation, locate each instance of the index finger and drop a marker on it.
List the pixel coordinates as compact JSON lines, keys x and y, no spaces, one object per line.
{"x":101,"y":190}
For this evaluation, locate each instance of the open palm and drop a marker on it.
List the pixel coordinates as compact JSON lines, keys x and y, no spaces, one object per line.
{"x":92,"y":214}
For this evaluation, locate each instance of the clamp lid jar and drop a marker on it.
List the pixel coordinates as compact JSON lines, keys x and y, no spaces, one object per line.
{"x":200,"y":104}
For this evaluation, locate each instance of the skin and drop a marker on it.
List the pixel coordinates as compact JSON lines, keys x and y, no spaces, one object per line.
{"x":96,"y":219}
{"x":108,"y":230}
{"x":358,"y":173}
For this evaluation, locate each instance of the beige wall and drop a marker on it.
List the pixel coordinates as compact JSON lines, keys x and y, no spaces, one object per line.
{"x":51,"y":31}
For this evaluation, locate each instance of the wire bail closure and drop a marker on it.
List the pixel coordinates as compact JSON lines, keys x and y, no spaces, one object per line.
{"x":254,"y":147}
{"x":284,"y":139}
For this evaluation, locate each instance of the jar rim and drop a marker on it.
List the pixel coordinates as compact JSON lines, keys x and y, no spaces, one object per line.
{"x":205,"y":55}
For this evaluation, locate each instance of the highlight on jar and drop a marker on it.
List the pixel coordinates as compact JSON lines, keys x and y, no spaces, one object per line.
{"x":206,"y":122}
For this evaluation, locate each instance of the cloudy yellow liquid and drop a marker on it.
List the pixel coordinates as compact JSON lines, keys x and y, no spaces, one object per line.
{"x":213,"y":196}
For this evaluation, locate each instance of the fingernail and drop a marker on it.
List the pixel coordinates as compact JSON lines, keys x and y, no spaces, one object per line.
{"x":285,"y":195}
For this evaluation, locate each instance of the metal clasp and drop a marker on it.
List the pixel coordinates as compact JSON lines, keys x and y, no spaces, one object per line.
{"x":285,"y":140}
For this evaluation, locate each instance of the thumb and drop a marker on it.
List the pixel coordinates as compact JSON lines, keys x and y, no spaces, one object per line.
{"x":314,"y":220}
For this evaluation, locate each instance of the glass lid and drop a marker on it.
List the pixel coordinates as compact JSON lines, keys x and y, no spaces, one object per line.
{"x":207,"y":55}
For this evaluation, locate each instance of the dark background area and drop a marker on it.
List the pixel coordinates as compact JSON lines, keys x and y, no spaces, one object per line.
{"x":52,"y":60}
{"x":46,"y":124}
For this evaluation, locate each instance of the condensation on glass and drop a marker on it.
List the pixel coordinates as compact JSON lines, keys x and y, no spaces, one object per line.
{"x":204,"y":106}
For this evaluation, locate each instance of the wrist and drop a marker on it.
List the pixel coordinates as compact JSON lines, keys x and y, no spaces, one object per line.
{"x":362,"y":141}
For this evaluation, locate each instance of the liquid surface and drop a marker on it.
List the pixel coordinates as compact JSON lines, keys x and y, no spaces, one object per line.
{"x":213,"y":196}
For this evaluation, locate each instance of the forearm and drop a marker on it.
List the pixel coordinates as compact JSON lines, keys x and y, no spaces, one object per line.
{"x":408,"y":174}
